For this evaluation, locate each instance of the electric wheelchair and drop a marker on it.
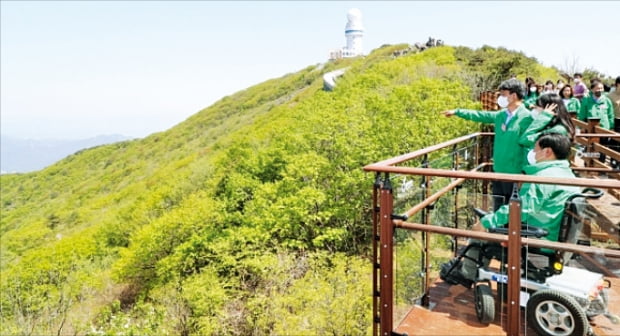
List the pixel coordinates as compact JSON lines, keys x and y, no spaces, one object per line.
{"x":559,"y":299}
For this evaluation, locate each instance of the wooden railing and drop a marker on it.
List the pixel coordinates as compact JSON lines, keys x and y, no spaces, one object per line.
{"x":589,"y":136}
{"x":385,"y":221}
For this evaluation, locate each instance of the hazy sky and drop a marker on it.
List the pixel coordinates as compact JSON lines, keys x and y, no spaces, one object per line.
{"x":75,"y":69}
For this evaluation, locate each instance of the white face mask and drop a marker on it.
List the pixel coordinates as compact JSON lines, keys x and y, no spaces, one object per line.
{"x":533,"y":89}
{"x":577,"y":80}
{"x":531,"y":157}
{"x":502,"y":101}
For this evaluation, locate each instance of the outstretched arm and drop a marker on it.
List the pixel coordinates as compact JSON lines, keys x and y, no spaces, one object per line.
{"x":448,"y":113}
{"x":487,"y":117}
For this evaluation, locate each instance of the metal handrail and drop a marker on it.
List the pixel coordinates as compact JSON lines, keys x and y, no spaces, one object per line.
{"x":387,"y":222}
{"x":490,"y":176}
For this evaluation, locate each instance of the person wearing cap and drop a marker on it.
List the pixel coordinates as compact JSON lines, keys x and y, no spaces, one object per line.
{"x":510,"y":123}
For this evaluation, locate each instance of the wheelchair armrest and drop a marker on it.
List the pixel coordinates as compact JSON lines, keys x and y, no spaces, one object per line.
{"x":526,"y":231}
{"x":480,"y":213}
{"x":591,"y":193}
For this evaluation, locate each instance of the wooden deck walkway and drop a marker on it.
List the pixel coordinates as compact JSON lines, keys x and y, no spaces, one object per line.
{"x":608,"y":219}
{"x":452,"y":313}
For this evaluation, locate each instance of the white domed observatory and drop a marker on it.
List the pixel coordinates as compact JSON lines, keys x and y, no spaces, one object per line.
{"x":354,"y":31}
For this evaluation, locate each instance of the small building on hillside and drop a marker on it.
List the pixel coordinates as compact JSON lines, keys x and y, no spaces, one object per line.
{"x":354,"y":32}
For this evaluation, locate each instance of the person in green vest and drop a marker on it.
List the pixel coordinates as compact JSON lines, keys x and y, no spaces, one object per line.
{"x":532,"y":95}
{"x":542,"y":205}
{"x":549,"y":116}
{"x":510,"y":123}
{"x":572,"y":104}
{"x":597,"y":105}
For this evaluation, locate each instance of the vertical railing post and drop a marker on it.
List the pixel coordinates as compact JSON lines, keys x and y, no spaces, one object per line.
{"x":592,"y":123}
{"x":386,"y":250}
{"x":575,"y":147}
{"x":375,"y":263}
{"x":514,"y":263}
{"x":426,"y":237}
{"x":455,"y":166}
{"x":572,"y":114}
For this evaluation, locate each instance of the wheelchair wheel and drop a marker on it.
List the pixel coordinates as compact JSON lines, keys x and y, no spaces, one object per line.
{"x":553,"y":313}
{"x":485,"y":304}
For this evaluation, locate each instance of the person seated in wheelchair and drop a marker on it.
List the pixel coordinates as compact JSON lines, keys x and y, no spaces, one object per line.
{"x":542,"y":206}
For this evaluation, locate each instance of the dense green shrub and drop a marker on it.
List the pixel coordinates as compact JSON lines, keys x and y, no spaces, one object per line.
{"x":250,"y":217}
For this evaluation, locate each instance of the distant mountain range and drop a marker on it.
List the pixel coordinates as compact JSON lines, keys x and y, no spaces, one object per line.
{"x":26,"y":155}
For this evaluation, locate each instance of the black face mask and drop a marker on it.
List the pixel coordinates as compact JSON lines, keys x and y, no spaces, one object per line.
{"x":598,"y":93}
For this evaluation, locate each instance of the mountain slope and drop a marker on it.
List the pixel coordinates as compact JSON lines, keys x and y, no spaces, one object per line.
{"x":250,"y":217}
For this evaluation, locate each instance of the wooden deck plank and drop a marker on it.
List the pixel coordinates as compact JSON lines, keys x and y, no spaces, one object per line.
{"x":452,"y":313}
{"x":608,"y":219}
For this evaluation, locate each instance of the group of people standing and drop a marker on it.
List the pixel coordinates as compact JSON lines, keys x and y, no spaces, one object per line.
{"x":534,"y":135}
{"x":595,"y":101}
{"x":523,"y":120}
{"x":517,"y":130}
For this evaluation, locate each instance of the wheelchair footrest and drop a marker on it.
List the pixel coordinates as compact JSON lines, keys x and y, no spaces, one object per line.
{"x":451,"y":273}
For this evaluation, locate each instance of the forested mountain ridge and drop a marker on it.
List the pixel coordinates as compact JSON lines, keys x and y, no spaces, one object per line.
{"x":250,"y":217}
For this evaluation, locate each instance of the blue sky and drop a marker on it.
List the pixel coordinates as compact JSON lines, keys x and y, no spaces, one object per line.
{"x":75,"y":69}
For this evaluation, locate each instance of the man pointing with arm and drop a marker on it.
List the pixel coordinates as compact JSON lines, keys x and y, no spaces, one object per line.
{"x":510,"y":123}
